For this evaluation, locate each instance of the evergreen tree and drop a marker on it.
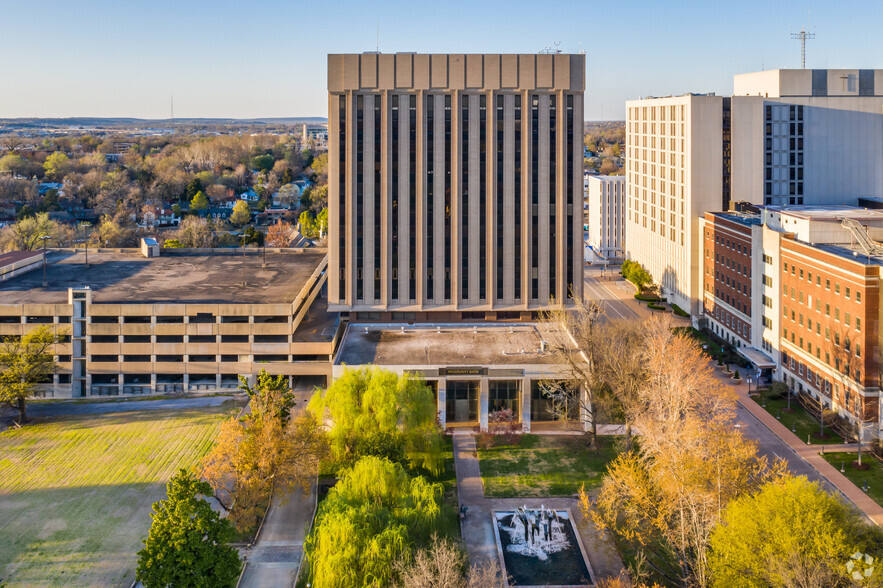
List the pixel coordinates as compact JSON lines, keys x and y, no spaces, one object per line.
{"x":187,"y":543}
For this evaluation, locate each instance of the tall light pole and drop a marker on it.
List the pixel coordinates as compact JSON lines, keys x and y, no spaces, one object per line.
{"x":86,"y":226}
{"x":44,"y":238}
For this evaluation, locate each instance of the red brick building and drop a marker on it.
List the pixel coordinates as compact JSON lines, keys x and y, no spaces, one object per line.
{"x":727,"y":298}
{"x":829,"y":325}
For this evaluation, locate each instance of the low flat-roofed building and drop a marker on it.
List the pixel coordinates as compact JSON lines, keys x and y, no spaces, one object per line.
{"x":181,"y":322}
{"x":474,"y":369}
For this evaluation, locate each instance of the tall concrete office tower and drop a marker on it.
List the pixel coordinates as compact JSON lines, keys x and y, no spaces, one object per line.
{"x":455,"y":184}
{"x":785,"y":137}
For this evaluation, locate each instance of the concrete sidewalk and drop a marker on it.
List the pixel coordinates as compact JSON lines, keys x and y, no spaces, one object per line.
{"x":809,"y":453}
{"x":477,"y":526}
{"x":273,"y":561}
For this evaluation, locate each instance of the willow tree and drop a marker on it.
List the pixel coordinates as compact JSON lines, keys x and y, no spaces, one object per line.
{"x":372,"y":518}
{"x":377,"y":412}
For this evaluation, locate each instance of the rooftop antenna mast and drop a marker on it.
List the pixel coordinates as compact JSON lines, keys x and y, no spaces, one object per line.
{"x":803,"y":36}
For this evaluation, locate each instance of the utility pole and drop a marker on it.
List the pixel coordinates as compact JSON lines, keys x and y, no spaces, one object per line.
{"x":803,"y":36}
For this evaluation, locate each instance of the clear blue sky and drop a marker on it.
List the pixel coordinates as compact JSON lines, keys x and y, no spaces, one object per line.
{"x":267,"y":58}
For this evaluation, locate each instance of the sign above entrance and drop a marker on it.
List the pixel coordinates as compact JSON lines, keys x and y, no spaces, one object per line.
{"x":462,"y":371}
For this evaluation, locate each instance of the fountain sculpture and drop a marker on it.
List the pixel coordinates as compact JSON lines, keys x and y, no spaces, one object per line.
{"x":539,"y":547}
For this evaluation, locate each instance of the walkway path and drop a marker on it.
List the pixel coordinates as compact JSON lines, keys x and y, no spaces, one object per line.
{"x":477,"y":527}
{"x":809,"y":453}
{"x":274,"y":559}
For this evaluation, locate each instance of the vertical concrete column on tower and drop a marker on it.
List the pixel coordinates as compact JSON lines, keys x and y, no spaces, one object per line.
{"x":153,"y":381}
{"x":483,"y":397}
{"x":442,"y":402}
{"x":186,"y":382}
{"x":218,"y":381}
{"x":525,"y":405}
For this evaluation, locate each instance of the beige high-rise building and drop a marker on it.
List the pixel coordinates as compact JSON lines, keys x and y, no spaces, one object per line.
{"x":786,"y":137}
{"x":454,"y":184}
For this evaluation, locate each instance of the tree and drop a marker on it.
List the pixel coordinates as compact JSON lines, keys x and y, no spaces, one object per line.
{"x":193,"y":188}
{"x":622,"y":368}
{"x":263,"y":162}
{"x":662,"y":501}
{"x":252,"y":236}
{"x":280,"y":235}
{"x":241,"y":213}
{"x":270,"y":398}
{"x":25,"y":234}
{"x":370,"y":519}
{"x":790,"y":533}
{"x":196,"y":232}
{"x":111,"y":234}
{"x":187,"y":542}
{"x":376,"y":412}
{"x":17,"y":165}
{"x":262,"y":451}
{"x":319,"y":166}
{"x":312,"y":227}
{"x":56,"y":165}
{"x":199,"y":202}
{"x":574,"y":341}
{"x":25,"y":362}
{"x":443,"y":564}
{"x":288,"y":193}
{"x":608,"y":168}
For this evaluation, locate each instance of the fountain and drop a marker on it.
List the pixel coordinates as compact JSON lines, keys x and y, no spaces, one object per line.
{"x":540,"y":547}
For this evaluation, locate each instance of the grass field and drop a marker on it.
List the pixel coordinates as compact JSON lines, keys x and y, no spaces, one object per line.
{"x":544,"y":466}
{"x":873,"y":476}
{"x":76,"y":492}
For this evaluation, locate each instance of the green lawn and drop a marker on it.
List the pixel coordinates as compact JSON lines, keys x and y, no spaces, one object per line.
{"x":801,"y":421}
{"x":76,"y":492}
{"x":874,"y":475}
{"x":544,"y":465}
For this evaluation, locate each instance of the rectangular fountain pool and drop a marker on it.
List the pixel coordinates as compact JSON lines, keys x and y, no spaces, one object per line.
{"x":540,"y":547}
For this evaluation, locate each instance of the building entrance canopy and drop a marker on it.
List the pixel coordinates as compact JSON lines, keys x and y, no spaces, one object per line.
{"x":757,"y":357}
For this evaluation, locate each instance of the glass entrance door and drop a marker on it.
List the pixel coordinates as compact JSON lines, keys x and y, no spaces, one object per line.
{"x":462,"y":401}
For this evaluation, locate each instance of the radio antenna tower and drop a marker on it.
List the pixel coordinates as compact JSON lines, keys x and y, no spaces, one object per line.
{"x":803,"y":36}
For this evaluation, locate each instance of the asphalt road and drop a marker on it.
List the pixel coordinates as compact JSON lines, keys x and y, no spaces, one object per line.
{"x":48,"y":409}
{"x":599,"y":292}
{"x":768,"y":443}
{"x":771,"y":446}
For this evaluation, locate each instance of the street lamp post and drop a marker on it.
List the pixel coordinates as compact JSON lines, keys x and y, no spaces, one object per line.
{"x":44,"y":238}
{"x":85,"y":226}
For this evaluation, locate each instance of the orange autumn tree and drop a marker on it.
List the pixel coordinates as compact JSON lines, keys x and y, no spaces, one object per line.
{"x":662,"y":501}
{"x":262,"y":451}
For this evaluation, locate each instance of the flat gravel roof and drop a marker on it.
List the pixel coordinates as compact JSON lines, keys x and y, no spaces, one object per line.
{"x":209,"y":278}
{"x":459,"y":344}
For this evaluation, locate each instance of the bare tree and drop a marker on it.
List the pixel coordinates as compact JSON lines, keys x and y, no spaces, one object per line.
{"x":573,"y":339}
{"x":622,"y":366}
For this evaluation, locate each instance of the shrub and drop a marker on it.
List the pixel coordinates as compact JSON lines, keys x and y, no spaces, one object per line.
{"x":679,"y":311}
{"x":736,"y":375}
{"x":652,"y":306}
{"x":646,"y":298}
